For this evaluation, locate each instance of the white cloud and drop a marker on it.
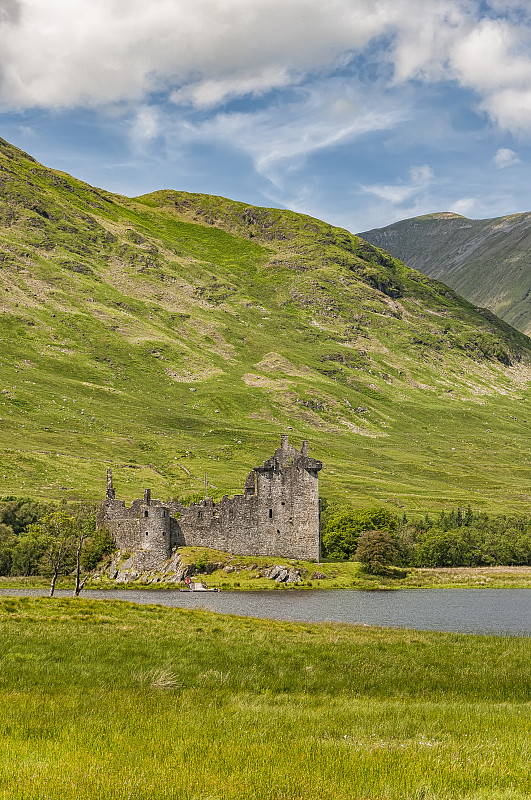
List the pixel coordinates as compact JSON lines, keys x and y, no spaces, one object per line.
{"x":9,"y":11}
{"x":511,"y":109}
{"x":422,"y":175}
{"x":205,"y":93}
{"x":505,"y":157}
{"x":494,"y":61}
{"x":146,"y":125}
{"x":420,"y":178}
{"x":517,"y":9}
{"x":488,"y":57}
{"x":425,"y":35}
{"x":63,"y":54}
{"x":463,"y":206}
{"x":26,"y":130}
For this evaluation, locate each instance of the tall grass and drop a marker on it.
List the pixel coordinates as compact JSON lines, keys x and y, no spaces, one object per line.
{"x":104,"y":699}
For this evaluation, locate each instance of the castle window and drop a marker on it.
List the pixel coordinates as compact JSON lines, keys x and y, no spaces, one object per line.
{"x":163,"y":512}
{"x":283,"y":503}
{"x":270,"y":513}
{"x":146,"y":513}
{"x":147,"y":533}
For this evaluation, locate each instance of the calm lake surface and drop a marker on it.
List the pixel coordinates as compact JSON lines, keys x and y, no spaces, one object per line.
{"x":497,"y":611}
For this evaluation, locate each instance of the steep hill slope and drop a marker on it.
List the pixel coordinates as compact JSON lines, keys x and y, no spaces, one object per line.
{"x":488,"y":261}
{"x":174,"y":334}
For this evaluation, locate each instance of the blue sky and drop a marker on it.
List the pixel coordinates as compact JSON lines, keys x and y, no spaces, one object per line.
{"x":360,"y":112}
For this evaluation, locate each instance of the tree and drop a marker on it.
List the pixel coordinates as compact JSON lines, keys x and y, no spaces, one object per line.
{"x":340,"y":537}
{"x":377,"y":550}
{"x":21,"y":512}
{"x":511,"y":545}
{"x":456,"y":547}
{"x":85,"y":527}
{"x":19,"y":554}
{"x":56,"y":533}
{"x":7,"y":542}
{"x":99,"y":545}
{"x":26,"y":554}
{"x":406,"y":537}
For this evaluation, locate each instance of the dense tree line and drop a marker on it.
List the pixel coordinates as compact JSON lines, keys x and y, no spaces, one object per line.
{"x":458,"y":538}
{"x":39,"y":538}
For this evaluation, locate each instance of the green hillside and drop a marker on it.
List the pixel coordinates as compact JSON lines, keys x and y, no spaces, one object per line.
{"x":174,"y":334}
{"x":488,"y":261}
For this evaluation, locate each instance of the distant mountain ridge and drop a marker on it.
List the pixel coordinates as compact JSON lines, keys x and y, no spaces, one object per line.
{"x":177,"y":334}
{"x":487,"y":261}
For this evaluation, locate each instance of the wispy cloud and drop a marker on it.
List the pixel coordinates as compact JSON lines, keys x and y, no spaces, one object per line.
{"x":397,"y":193}
{"x":145,"y":126}
{"x":282,"y":136}
{"x":26,"y":130}
{"x":464,"y":206}
{"x":505,"y":157}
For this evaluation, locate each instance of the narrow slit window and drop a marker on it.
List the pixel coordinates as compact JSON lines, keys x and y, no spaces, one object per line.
{"x":270,"y":513}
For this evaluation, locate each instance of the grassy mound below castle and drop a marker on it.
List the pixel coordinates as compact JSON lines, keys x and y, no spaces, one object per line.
{"x":250,"y":573}
{"x":107,"y":700}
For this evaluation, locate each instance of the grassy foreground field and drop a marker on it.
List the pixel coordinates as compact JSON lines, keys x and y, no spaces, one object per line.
{"x":110,"y":700}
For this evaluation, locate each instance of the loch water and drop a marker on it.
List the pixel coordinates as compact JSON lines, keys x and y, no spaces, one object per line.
{"x":480,"y":611}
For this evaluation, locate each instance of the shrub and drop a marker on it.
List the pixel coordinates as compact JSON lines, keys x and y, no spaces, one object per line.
{"x":201,"y":563}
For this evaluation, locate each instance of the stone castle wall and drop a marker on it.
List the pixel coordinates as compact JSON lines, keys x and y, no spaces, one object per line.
{"x":278,"y":515}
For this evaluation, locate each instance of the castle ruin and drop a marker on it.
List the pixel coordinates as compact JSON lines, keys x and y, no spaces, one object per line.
{"x":278,"y":515}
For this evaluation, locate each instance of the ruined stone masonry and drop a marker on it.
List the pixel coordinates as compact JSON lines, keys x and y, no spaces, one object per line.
{"x":278,"y":515}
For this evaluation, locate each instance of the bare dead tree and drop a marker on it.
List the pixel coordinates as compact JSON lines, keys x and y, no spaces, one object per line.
{"x":85,"y":520}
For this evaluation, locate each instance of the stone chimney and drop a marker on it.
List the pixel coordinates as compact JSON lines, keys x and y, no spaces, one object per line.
{"x":147,"y":497}
{"x":284,"y":443}
{"x":109,"y":495}
{"x":305,"y":450}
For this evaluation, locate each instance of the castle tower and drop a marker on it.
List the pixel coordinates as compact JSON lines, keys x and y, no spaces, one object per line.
{"x":110,"y":494}
{"x":287,"y":497}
